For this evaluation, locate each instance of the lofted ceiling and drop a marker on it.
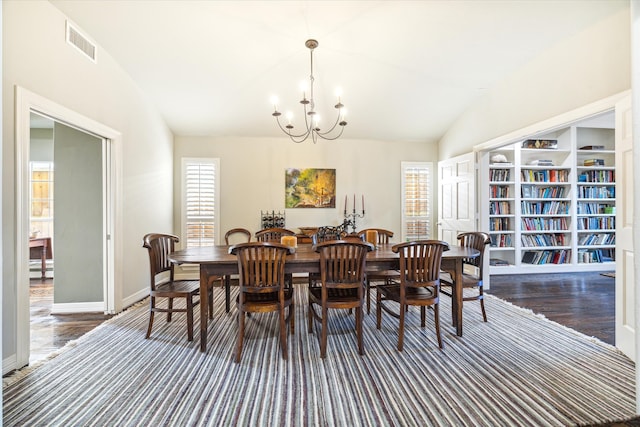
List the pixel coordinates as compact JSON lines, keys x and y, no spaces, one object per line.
{"x":408,"y":69}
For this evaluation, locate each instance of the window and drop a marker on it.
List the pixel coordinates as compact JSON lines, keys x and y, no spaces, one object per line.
{"x":41,"y":199}
{"x":200,"y":197}
{"x":416,"y":200}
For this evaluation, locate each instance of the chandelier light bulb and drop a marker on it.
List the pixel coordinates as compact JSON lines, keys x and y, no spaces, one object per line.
{"x":311,"y":118}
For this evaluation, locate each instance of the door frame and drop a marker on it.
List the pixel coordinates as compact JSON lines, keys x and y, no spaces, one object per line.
{"x":26,"y":102}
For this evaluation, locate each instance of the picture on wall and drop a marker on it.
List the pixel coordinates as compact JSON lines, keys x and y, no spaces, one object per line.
{"x":310,"y":188}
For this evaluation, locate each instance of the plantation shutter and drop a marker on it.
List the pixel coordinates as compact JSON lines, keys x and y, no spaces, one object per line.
{"x":200,"y":202}
{"x":416,"y":200}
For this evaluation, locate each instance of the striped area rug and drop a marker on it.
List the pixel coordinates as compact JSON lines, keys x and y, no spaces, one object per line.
{"x":518,"y":369}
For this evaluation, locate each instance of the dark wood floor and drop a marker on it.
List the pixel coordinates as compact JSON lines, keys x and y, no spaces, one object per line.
{"x":581,"y":301}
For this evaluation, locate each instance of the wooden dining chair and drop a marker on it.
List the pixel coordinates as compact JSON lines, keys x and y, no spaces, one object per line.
{"x":273,"y":234}
{"x":159,"y":247}
{"x":324,"y":234}
{"x":263,"y":288}
{"x":419,"y":284}
{"x":342,"y":272}
{"x":472,"y":272}
{"x":384,"y":276}
{"x":233,"y":236}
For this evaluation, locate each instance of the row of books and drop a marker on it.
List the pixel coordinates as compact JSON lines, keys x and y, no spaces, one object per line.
{"x":545,"y":208}
{"x":546,"y":175}
{"x":597,"y":239}
{"x":536,"y":240}
{"x":597,"y":176}
{"x":499,"y":192}
{"x":535,"y":192}
{"x":499,"y":224}
{"x":559,"y":256}
{"x":591,"y":256}
{"x":541,"y":162}
{"x":499,"y":174}
{"x":501,"y":241}
{"x":596,"y":192}
{"x":594,"y":162}
{"x":544,"y":224}
{"x":499,"y":208}
{"x":597,"y":223}
{"x":498,"y":262}
{"x":594,"y":208}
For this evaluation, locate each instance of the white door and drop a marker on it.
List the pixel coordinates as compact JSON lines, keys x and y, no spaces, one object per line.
{"x":625,"y":289}
{"x":456,"y":197}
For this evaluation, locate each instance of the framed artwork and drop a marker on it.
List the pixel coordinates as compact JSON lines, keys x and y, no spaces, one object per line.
{"x":309,"y":188}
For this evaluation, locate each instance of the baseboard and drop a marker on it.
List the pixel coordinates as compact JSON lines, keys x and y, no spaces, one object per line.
{"x":132,"y":299}
{"x":77,"y":307}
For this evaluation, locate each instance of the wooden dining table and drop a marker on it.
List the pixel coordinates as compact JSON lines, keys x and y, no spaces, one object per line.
{"x":217,"y":261}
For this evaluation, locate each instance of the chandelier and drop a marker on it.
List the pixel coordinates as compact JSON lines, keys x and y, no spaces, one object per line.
{"x":311,"y":118}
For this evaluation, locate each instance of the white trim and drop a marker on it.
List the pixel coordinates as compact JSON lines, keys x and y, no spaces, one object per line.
{"x":9,"y":364}
{"x":132,"y":299}
{"x":26,"y":102}
{"x":77,"y":307}
{"x":553,"y":123}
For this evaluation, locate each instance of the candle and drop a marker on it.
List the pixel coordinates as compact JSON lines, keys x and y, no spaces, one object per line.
{"x":291,"y":241}
{"x":345,"y":205}
{"x":372,"y":237}
{"x":354,"y":202}
{"x":363,"y":204}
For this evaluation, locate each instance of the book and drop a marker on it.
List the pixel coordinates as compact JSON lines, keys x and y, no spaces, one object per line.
{"x":594,"y":162}
{"x":541,"y":162}
{"x":592,"y":147}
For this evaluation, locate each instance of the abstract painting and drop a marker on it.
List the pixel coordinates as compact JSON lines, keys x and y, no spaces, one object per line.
{"x":310,"y":188}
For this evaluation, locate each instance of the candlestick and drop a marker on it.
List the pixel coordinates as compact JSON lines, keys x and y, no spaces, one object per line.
{"x":363,"y":204}
{"x":354,"y":202}
{"x":345,"y":204}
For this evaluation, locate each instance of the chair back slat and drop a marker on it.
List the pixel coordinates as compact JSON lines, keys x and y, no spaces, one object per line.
{"x":420,"y":261}
{"x":159,"y":247}
{"x":477,"y":240}
{"x":383,"y":235}
{"x":273,"y":234}
{"x":261,"y":266}
{"x":240,"y":235}
{"x":342,"y":263}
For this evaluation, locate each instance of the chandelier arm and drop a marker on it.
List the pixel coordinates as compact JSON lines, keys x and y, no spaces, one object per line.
{"x":332,"y":127}
{"x":323,"y":135}
{"x":292,"y":135}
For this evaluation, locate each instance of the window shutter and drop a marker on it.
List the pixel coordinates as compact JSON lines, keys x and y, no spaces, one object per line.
{"x":416,"y":194}
{"x":200,"y":189}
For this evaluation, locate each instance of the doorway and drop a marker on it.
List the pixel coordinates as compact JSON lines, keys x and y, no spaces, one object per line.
{"x":105,"y":153}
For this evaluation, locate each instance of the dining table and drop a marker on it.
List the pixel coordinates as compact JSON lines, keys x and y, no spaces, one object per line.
{"x":217,"y":261}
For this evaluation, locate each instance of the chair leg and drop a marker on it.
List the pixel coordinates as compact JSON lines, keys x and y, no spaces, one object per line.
{"x":368,"y":292}
{"x":190,"y":318}
{"x":292,"y":318}
{"x":227,"y":293}
{"x":210,"y":301}
{"x":310,"y":318}
{"x":436,"y":313}
{"x":283,"y":333}
{"x":151,"y":313}
{"x":240,"y":335}
{"x":323,"y":334}
{"x":423,"y":316}
{"x":378,"y":310}
{"x":359,"y":319}
{"x":481,"y":298}
{"x":401,"y":328}
{"x":170,"y":308}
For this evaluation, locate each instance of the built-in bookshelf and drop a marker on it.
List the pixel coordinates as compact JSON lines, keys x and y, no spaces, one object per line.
{"x":552,"y":201}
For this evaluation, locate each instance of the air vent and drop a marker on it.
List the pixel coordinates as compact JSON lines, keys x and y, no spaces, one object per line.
{"x":76,"y":39}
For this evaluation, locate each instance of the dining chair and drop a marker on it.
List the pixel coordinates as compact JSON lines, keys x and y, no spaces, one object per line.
{"x":419,"y":284}
{"x":342,"y":272}
{"x":263,"y":288}
{"x":385,"y":276}
{"x":159,"y":247}
{"x":472,"y":273}
{"x":324,"y":234}
{"x":273,"y":234}
{"x":233,"y":236}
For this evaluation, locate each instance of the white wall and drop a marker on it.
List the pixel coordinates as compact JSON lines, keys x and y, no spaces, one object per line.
{"x":252,"y":177}
{"x":37,"y":57}
{"x":587,"y":67}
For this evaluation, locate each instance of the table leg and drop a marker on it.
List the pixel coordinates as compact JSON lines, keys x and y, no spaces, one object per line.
{"x":204,"y":306}
{"x":457,"y":299}
{"x":43,"y":258}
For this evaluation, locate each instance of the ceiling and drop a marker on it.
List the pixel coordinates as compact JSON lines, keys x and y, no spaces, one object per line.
{"x":408,"y":69}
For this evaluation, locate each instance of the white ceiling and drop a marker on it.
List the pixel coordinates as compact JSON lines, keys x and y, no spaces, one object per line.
{"x":408,"y":69}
